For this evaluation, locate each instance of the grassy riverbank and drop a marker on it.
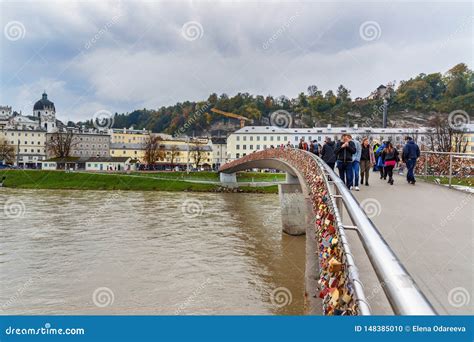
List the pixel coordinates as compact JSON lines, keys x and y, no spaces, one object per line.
{"x":36,"y":179}
{"x":214,"y":176}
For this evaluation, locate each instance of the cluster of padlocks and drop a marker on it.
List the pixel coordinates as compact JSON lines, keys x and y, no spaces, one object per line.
{"x":335,"y":287}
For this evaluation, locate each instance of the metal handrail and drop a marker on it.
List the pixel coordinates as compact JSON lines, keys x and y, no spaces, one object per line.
{"x":404,"y":295}
{"x":450,"y":153}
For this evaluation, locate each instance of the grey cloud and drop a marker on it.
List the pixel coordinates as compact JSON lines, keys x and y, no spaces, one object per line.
{"x":124,"y":55}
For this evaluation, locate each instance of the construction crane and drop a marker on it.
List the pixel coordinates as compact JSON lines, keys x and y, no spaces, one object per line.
{"x":232,"y":115}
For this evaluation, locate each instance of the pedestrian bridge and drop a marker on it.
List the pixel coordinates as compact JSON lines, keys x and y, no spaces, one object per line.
{"x":350,"y":267}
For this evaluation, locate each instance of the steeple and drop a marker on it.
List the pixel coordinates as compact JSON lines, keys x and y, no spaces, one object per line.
{"x":45,"y":96}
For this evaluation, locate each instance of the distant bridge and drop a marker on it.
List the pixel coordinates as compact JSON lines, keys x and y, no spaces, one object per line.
{"x":313,"y":200}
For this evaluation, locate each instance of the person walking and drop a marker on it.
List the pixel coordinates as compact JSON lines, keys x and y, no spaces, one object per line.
{"x":378,"y":157}
{"x":367,"y":158}
{"x":344,"y":151}
{"x":390,"y":159}
{"x":411,"y":152}
{"x":356,"y":163}
{"x":314,"y":147}
{"x":327,"y":153}
{"x":376,"y":147}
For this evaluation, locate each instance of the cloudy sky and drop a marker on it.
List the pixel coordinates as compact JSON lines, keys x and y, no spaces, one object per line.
{"x":125,"y":55}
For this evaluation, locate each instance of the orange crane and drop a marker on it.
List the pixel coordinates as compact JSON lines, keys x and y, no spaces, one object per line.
{"x":232,"y":115}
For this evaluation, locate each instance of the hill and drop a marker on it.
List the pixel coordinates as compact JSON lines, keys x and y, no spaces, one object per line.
{"x":413,"y":102}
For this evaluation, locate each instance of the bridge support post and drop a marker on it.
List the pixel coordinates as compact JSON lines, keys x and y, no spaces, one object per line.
{"x":228,"y":178}
{"x":293,"y":209}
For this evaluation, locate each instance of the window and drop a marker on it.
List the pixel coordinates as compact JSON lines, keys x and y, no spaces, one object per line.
{"x":244,"y":147}
{"x":237,"y":138}
{"x":264,"y":147}
{"x":296,"y":138}
{"x":251,"y":147}
{"x":271,"y":138}
{"x":319,"y":138}
{"x":258,"y":147}
{"x":284,"y":138}
{"x":264,"y":138}
{"x":251,"y":138}
{"x":278,"y":138}
{"x":258,"y":137}
{"x":237,"y":155}
{"x":245,"y":138}
{"x":237,"y":147}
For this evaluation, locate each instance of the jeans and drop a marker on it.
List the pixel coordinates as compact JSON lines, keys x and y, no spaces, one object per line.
{"x":364,"y":171}
{"x":355,"y":170}
{"x":411,"y":167}
{"x":345,"y":172}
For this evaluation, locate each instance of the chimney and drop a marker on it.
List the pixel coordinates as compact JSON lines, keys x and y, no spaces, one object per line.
{"x":356,"y":126}
{"x":329,"y":126}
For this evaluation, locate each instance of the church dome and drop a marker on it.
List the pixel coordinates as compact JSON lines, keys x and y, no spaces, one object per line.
{"x":44,"y":104}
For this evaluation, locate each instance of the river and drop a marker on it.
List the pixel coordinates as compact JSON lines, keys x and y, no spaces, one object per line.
{"x":146,"y":253}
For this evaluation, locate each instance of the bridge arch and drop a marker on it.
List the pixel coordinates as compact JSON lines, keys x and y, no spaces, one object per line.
{"x":332,"y":282}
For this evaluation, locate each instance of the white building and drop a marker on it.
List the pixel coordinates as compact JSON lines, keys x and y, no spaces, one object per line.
{"x":254,"y":138}
{"x":45,"y":112}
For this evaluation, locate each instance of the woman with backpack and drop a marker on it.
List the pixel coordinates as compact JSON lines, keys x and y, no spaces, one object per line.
{"x":390,"y":159}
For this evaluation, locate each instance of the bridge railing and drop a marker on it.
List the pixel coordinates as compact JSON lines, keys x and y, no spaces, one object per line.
{"x":400,"y":289}
{"x":442,"y":165}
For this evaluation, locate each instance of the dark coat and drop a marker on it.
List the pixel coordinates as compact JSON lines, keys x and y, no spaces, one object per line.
{"x":327,"y":153}
{"x":344,"y":154}
{"x":410,"y":151}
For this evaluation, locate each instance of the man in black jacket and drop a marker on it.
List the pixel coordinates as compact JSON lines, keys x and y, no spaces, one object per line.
{"x":344,"y":151}
{"x":327,"y":153}
{"x":411,"y":152}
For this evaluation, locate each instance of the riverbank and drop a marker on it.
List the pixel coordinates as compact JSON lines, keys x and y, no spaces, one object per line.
{"x":39,"y":179}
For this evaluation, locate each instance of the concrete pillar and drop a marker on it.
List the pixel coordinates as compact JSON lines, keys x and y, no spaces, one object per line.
{"x":229,"y":178}
{"x":290,"y":179}
{"x":293,"y":209}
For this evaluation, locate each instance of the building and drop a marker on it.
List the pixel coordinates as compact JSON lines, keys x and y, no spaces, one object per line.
{"x":45,"y":111}
{"x":30,"y":148}
{"x":84,"y":143}
{"x":128,"y":143}
{"x":254,"y":138}
{"x":90,"y":164}
{"x":111,"y":164}
{"x":466,"y":140}
{"x":219,"y":152}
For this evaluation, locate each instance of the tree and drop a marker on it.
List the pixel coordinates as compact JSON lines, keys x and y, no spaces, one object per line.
{"x":458,"y":78}
{"x":343,"y":94}
{"x":60,"y":144}
{"x":174,"y":152}
{"x":154,"y":149}
{"x":7,"y":151}
{"x":313,"y":91}
{"x":197,"y":154}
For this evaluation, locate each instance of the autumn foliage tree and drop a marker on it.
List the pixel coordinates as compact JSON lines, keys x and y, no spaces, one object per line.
{"x":154,"y":149}
{"x":7,"y":151}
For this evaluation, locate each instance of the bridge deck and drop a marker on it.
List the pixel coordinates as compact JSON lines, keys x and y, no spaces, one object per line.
{"x":430,"y":228}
